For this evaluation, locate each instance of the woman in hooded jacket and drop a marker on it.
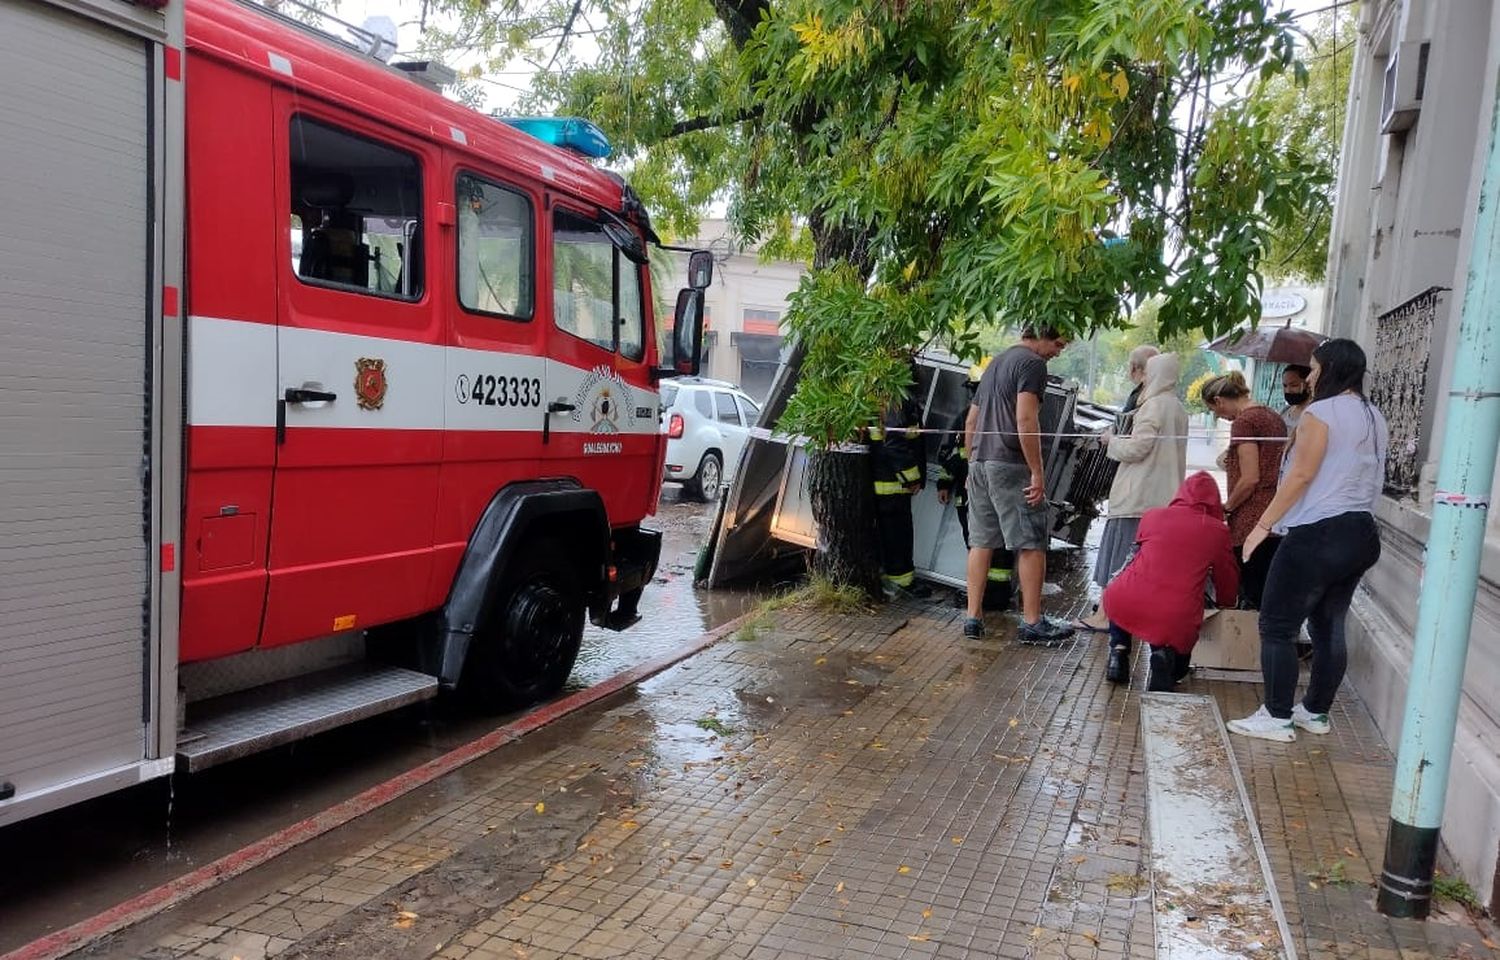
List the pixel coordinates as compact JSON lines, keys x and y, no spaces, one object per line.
{"x":1158,"y":596}
{"x":1152,"y":459}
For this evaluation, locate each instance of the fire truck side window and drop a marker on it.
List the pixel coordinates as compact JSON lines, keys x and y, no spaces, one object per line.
{"x":357,"y":206}
{"x":632,"y":319}
{"x":583,"y":279}
{"x":495,"y":246}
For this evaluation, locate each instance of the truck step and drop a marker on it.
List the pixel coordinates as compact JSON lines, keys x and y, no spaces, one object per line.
{"x":238,"y":724}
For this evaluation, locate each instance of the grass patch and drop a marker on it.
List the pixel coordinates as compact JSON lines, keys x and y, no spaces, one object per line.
{"x":714,"y":725}
{"x":1335,"y":874}
{"x":1456,"y":889}
{"x":818,"y":593}
{"x":1124,"y":884}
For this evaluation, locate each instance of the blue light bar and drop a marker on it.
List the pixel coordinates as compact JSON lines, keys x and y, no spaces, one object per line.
{"x":570,"y":133}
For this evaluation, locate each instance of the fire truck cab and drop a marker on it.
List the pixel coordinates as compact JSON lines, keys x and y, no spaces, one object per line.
{"x":321,"y":393}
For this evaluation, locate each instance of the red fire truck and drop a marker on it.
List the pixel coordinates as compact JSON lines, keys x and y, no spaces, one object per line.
{"x":319,"y":393}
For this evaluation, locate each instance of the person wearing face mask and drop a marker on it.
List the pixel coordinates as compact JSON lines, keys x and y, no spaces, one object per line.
{"x":1296,"y":392}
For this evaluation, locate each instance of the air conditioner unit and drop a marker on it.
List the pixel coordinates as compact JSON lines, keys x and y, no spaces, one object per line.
{"x":1405,"y":80}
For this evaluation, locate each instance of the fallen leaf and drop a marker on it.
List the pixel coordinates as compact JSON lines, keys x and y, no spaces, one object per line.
{"x":903,"y":869}
{"x":919,"y":937}
{"x":820,"y":661}
{"x":1014,"y":722}
{"x":825,"y":840}
{"x":1488,"y":943}
{"x":1079,"y":859}
{"x":629,"y":824}
{"x":1091,"y":938}
{"x":1312,"y":885}
{"x":541,"y":807}
{"x":1350,"y":852}
{"x":726,"y":864}
{"x":839,"y":888}
{"x":404,"y":919}
{"x":957,"y":841}
{"x":927,"y":914}
{"x":751,"y":883}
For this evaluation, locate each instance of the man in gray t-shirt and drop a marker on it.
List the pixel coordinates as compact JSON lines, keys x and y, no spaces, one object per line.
{"x":1007,"y":491}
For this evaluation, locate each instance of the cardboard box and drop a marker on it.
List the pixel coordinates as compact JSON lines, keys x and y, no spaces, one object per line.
{"x":1229,"y":640}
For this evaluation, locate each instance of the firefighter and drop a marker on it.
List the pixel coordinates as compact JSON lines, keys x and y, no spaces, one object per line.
{"x":952,"y":483}
{"x":898,"y":465}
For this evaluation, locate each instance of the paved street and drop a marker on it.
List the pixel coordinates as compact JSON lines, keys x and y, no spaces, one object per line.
{"x":826,"y":786}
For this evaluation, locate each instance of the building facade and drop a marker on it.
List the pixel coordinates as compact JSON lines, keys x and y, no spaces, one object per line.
{"x":1420,"y":101}
{"x":744,"y":310}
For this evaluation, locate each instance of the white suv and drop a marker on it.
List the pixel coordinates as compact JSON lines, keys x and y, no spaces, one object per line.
{"x":707,"y":423}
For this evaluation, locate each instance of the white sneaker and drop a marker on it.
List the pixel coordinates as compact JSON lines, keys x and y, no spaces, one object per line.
{"x":1262,"y":725}
{"x":1311,"y":722}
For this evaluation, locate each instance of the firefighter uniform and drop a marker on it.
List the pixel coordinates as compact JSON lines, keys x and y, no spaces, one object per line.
{"x":899,"y":468}
{"x":953,"y":476}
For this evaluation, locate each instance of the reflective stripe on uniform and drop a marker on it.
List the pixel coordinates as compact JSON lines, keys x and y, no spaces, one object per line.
{"x":877,"y":433}
{"x":888,"y":488}
{"x":914,"y":433}
{"x":943,"y":474}
{"x":910,"y":474}
{"x":901,"y":579}
{"x":963,"y":453}
{"x":998,"y":575}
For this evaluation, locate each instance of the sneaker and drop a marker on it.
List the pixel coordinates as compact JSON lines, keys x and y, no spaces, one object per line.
{"x":1311,"y":722}
{"x":973,"y":628}
{"x":1044,"y":633}
{"x":1263,"y":726}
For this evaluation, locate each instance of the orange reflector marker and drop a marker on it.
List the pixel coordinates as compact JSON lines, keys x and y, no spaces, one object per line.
{"x":168,"y":557}
{"x":346,"y":622}
{"x":614,"y":573}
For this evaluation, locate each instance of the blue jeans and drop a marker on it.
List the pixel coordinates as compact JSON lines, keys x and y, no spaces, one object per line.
{"x":1312,"y":579}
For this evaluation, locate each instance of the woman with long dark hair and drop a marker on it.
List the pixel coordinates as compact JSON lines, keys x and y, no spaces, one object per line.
{"x":1324,"y":509}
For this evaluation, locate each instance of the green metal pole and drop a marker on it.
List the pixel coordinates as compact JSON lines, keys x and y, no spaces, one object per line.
{"x":1450,"y":579}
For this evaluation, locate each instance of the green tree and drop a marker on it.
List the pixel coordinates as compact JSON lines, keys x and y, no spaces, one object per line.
{"x":1309,"y":119}
{"x":958,"y":164}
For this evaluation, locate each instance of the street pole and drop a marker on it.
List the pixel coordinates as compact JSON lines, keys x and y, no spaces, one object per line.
{"x":1450,"y":579}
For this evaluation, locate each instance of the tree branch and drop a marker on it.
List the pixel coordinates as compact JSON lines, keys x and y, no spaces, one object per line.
{"x":695,"y":124}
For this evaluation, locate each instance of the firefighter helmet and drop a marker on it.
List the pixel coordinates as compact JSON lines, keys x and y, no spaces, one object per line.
{"x":977,"y":370}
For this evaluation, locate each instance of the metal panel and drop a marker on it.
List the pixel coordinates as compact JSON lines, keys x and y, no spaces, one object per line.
{"x":76,"y":316}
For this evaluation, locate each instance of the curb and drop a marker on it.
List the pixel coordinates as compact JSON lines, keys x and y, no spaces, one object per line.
{"x":158,"y":899}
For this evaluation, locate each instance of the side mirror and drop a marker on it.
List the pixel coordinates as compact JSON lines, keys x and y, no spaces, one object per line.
{"x":687,"y":332}
{"x":700,"y":269}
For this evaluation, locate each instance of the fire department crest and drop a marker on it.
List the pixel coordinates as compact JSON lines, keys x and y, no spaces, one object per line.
{"x":604,"y":402}
{"x":369,"y":383}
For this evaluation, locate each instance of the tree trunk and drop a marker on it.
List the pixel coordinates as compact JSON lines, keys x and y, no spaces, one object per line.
{"x":843,"y":505}
{"x":839,"y":480}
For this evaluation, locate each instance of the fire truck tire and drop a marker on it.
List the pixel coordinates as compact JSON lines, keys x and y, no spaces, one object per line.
{"x":527,"y":652}
{"x":706,"y":482}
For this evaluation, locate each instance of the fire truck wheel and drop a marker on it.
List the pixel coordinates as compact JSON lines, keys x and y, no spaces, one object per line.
{"x":526,"y":654}
{"x":705,"y":485}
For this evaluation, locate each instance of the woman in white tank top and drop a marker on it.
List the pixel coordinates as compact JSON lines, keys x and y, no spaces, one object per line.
{"x":1325,"y":510}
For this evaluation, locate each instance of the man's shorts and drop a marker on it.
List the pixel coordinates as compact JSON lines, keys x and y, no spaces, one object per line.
{"x":999,"y":515}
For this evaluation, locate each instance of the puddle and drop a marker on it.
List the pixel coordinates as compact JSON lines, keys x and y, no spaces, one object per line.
{"x":673,"y":611}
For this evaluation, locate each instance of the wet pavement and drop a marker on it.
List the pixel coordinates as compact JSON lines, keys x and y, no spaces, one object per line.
{"x":85,"y":859}
{"x":827,"y":785}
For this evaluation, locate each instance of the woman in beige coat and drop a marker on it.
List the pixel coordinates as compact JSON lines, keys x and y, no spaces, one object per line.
{"x":1153,"y":462}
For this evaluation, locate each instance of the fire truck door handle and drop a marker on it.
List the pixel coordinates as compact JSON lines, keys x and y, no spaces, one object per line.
{"x":304,"y":395}
{"x":297,"y":395}
{"x":556,"y":406}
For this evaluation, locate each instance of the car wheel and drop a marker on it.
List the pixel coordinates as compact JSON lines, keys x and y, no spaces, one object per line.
{"x":705,"y":484}
{"x":526,"y":651}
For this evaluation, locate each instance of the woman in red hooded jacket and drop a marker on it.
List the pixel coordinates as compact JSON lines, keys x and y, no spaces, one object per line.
{"x":1158,"y":596}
